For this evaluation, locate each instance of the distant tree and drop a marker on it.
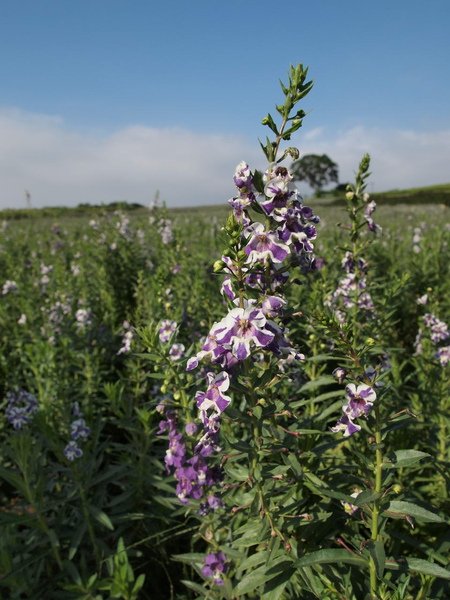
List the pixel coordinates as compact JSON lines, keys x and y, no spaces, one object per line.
{"x":317,"y":171}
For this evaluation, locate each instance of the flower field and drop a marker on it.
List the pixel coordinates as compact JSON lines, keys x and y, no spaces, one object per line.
{"x":243,"y":402}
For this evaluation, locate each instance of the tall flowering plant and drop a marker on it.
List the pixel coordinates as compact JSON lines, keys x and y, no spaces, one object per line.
{"x":243,"y":364}
{"x":261,"y":471}
{"x":368,"y":415}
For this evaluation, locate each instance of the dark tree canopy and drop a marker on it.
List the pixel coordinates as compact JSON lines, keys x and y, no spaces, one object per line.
{"x":317,"y":171}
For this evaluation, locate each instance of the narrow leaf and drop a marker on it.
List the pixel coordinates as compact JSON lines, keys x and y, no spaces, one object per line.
{"x":413,"y":510}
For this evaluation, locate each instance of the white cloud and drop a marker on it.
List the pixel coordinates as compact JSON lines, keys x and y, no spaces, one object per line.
{"x":59,"y":165}
{"x":64,"y":167}
{"x":399,"y":159}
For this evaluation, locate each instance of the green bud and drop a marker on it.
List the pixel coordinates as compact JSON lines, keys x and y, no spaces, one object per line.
{"x":294,"y":153}
{"x":218,"y":266}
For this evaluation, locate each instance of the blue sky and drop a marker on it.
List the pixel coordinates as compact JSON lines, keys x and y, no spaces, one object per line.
{"x":131,"y":89}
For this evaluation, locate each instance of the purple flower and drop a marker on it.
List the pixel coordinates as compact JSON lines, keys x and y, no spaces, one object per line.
{"x":214,"y":397}
{"x":215,"y":564}
{"x":242,"y":327}
{"x":346,"y":425}
{"x":176,"y":451}
{"x":21,"y":407}
{"x":340,"y":374}
{"x":166,"y":329}
{"x":438,"y":329}
{"x":176,"y":351}
{"x":360,"y":400}
{"x":227,"y":289}
{"x":264,"y":245}
{"x":72,"y":451}
{"x":272,"y":305}
{"x":79,"y":430}
{"x":211,"y":349}
{"x":240,"y":205}
{"x":191,"y":428}
{"x":243,"y":177}
{"x":443,"y":355}
{"x":209,"y":442}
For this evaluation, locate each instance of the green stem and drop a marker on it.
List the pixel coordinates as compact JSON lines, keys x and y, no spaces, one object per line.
{"x":86,"y":514}
{"x":378,"y":472}
{"x":41,"y":520}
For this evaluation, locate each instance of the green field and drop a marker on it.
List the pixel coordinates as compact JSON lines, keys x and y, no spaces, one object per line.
{"x":84,"y":294}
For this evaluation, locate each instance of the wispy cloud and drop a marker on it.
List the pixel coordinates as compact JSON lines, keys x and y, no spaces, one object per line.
{"x":60,"y":165}
{"x":400,"y":158}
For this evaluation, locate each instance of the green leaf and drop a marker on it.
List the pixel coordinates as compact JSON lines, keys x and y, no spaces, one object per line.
{"x":251,"y":581}
{"x":252,"y":561}
{"x":195,"y":587}
{"x":413,"y":510}
{"x":418,"y":565}
{"x":252,"y":533}
{"x":236,"y":472}
{"x":330,"y":556}
{"x":13,"y":479}
{"x":101,"y":517}
{"x":316,"y":383}
{"x":406,"y":458}
{"x":376,"y":550}
{"x":189,"y":558}
{"x":76,"y":540}
{"x":273,"y":589}
{"x":365,"y":497}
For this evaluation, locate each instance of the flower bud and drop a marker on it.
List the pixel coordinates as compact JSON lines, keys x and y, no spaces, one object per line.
{"x":294,"y":153}
{"x":350,"y":195}
{"x":218,"y":266}
{"x":340,"y":374}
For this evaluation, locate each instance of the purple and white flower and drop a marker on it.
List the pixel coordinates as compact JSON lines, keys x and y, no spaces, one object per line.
{"x":264,"y":245}
{"x":214,"y":397}
{"x":166,"y":330}
{"x":346,"y":425}
{"x":243,"y":327}
{"x":72,"y":451}
{"x":214,"y":566}
{"x":443,"y":355}
{"x":79,"y":430}
{"x":360,"y":400}
{"x":176,"y":351}
{"x":20,"y":409}
{"x":8,"y":287}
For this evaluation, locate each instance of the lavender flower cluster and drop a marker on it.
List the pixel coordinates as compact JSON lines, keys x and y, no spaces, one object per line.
{"x":20,"y":409}
{"x":260,"y":268}
{"x":351,"y":290}
{"x":215,"y":564}
{"x":79,"y":431}
{"x":436,"y":331}
{"x":193,"y":475}
{"x":360,"y":399}
{"x":256,"y":268}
